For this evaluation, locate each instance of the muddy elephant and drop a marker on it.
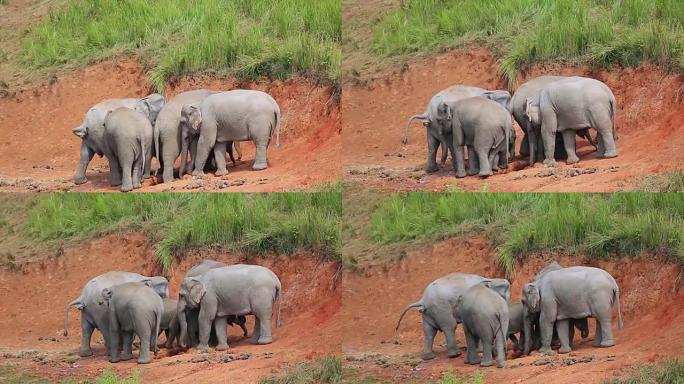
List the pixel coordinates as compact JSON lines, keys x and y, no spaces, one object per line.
{"x":484,"y":126}
{"x":568,"y":105}
{"x":127,"y":138}
{"x":436,"y":308}
{"x":94,"y":315}
{"x":91,"y":131}
{"x":167,"y":139}
{"x":437,"y":123}
{"x":571,"y":293}
{"x":135,"y":309}
{"x":231,"y":290}
{"x":237,"y":115}
{"x":169,"y":323}
{"x":484,"y":315}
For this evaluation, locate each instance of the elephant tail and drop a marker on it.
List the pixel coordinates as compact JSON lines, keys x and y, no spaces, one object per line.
{"x":155,"y":335}
{"x":279,"y":296}
{"x":613,"y":106}
{"x":616,"y":293}
{"x":75,"y":303}
{"x":155,"y":131}
{"x":422,"y":117}
{"x":419,"y":305}
{"x":276,"y":113}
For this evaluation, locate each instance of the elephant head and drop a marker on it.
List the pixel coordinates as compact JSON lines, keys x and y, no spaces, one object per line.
{"x":150,"y":106}
{"x":190,"y":124}
{"x":159,"y":284}
{"x":106,"y":296}
{"x":531,"y":110}
{"x":500,"y":286}
{"x":499,"y":96}
{"x":189,"y":297}
{"x":531,"y":300}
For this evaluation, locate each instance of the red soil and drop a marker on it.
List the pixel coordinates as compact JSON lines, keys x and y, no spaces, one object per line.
{"x":649,"y":123}
{"x":40,"y":152}
{"x":32,"y":308}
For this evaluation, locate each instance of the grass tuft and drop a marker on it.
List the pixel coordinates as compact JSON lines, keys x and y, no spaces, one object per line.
{"x":670,"y":372}
{"x":327,"y":370}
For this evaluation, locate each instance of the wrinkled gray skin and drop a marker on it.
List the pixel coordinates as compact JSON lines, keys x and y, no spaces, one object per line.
{"x":127,"y":139}
{"x":484,"y":314}
{"x":190,"y":131}
{"x":515,"y":324}
{"x":94,"y":315}
{"x":571,"y":293}
{"x":91,"y":131}
{"x":436,"y":308}
{"x":134,"y":309}
{"x":484,"y":126}
{"x":438,"y":124}
{"x":237,"y":115}
{"x":232,"y":290}
{"x":568,"y":105}
{"x":169,"y":322}
{"x":532,"y":89}
{"x":167,"y":132}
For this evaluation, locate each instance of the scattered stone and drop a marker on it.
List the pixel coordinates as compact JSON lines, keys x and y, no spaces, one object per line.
{"x":199,"y":359}
{"x":543,"y":361}
{"x":548,"y":172}
{"x":194,"y":185}
{"x":42,"y":166}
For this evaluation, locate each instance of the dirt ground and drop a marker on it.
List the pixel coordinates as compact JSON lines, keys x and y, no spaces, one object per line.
{"x":40,"y":152}
{"x":652,"y":306}
{"x":32,"y":304}
{"x":649,"y":124}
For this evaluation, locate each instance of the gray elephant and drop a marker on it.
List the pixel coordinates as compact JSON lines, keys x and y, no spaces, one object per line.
{"x":169,"y":323}
{"x":127,"y":138}
{"x":484,"y":126}
{"x":91,"y":131}
{"x":437,"y":123}
{"x":436,"y":308}
{"x":571,"y":293}
{"x":94,"y":315}
{"x":167,"y":139}
{"x":231,"y":290}
{"x":237,"y":115}
{"x":572,"y":104}
{"x":134,"y":309}
{"x":484,"y":314}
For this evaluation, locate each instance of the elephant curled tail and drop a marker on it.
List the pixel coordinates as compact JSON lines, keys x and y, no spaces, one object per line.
{"x":616,"y":296}
{"x":422,"y":117}
{"x":75,"y":303}
{"x":419,"y":305}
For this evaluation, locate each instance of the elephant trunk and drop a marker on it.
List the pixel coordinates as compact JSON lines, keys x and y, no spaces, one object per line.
{"x":79,"y":305}
{"x":418,"y":305}
{"x":422,"y":117}
{"x":183,"y":158}
{"x":183,"y":325}
{"x":527,"y":330}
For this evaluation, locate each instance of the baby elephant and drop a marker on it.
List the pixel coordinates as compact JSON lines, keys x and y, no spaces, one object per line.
{"x":484,"y":314}
{"x":134,"y":309}
{"x":128,"y":136}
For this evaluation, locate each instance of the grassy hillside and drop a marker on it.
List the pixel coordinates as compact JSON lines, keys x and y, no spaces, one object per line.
{"x":254,"y":223}
{"x":522,"y":32}
{"x":246,"y":38}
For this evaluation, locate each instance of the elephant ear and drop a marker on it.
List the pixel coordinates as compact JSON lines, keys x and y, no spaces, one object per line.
{"x":106,"y":296}
{"x":443,"y":111}
{"x":197,"y":291}
{"x":532,"y":296}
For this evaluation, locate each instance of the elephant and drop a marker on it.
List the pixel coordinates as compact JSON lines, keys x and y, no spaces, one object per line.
{"x":569,"y":105}
{"x":571,"y":293}
{"x":127,"y":138}
{"x":532,"y":88}
{"x":439,"y":298}
{"x":94,"y":315}
{"x":231,"y":290}
{"x":134,"y":309}
{"x":484,"y":126}
{"x":435,"y":120}
{"x":91,"y":131}
{"x":167,"y":140}
{"x":485,"y":317}
{"x":169,"y":322}
{"x":237,"y":115}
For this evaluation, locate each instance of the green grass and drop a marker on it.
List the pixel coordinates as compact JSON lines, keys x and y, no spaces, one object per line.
{"x":523,"y":32}
{"x":671,"y":372}
{"x":253,"y":223}
{"x":667,"y":182}
{"x":327,"y":370}
{"x":12,"y":375}
{"x":450,"y":378}
{"x":599,"y":225}
{"x":244,"y":38}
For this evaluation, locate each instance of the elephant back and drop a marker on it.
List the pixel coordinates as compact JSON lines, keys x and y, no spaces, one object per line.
{"x":92,"y":292}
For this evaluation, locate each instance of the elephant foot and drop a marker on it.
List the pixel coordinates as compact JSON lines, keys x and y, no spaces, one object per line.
{"x":203,"y":348}
{"x":115,"y":183}
{"x":265,"y":340}
{"x":485,"y":174}
{"x":564,"y":350}
{"x":452,"y":354}
{"x":221,"y":172}
{"x":472,"y":362}
{"x":222,"y":347}
{"x":431,"y":168}
{"x":197,"y":174}
{"x":609,"y":155}
{"x":572,"y":160}
{"x":126,"y":189}
{"x":80,"y":180}
{"x":259,"y":166}
{"x":607,"y":344}
{"x":472,"y":172}
{"x":501,"y":364}
{"x":137,"y":186}
{"x":114,"y":360}
{"x":550,"y":163}
{"x":546,"y":352}
{"x":126,"y":356}
{"x":461,"y":175}
{"x":144,"y":360}
{"x":486,"y":363}
{"x":428,"y":355}
{"x":85,"y":352}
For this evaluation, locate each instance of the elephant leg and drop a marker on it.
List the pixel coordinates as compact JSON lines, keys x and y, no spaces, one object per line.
{"x":570,"y":144}
{"x":169,"y":160}
{"x":459,"y":161}
{"x":546,"y":325}
{"x":86,"y":333}
{"x":433,"y":145}
{"x":605,"y":130}
{"x":598,"y":336}
{"x":204,"y":322}
{"x":264,"y":321}
{"x":485,"y":166}
{"x":126,"y":176}
{"x":494,"y":161}
{"x":145,"y":346}
{"x":500,"y":343}
{"x":256,"y":332}
{"x":562,"y":329}
{"x":487,"y":359}
{"x":429,"y":333}
{"x":473,"y":162}
{"x":260,"y":161}
{"x":606,"y":330}
{"x":86,"y":156}
{"x":548,"y":134}
{"x":193,"y":155}
{"x":220,"y":324}
{"x":137,"y":173}
{"x":471,"y":347}
{"x":452,"y":349}
{"x":445,"y":153}
{"x":114,"y":172}
{"x":571,"y":333}
{"x":532,"y":141}
{"x":148,"y":162}
{"x":114,"y":340}
{"x":220,"y":157}
{"x":127,"y":343}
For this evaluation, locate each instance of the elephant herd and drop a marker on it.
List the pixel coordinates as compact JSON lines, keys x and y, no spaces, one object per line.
{"x":550,"y":110}
{"x":553,"y":304}
{"x":212,"y":295}
{"x":207,"y":124}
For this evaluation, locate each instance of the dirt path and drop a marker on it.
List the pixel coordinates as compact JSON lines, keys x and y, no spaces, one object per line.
{"x":652,"y":307}
{"x":650,"y":129}
{"x":32,"y":308}
{"x":40,"y":152}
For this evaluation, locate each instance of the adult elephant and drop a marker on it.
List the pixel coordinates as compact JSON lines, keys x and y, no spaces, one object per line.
{"x":436,"y":308}
{"x":231,"y":290}
{"x":568,"y":105}
{"x":128,"y":139}
{"x":95,"y":315}
{"x":167,"y":140}
{"x":571,"y":293}
{"x":437,"y":121}
{"x":91,"y":131}
{"x":237,"y":115}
